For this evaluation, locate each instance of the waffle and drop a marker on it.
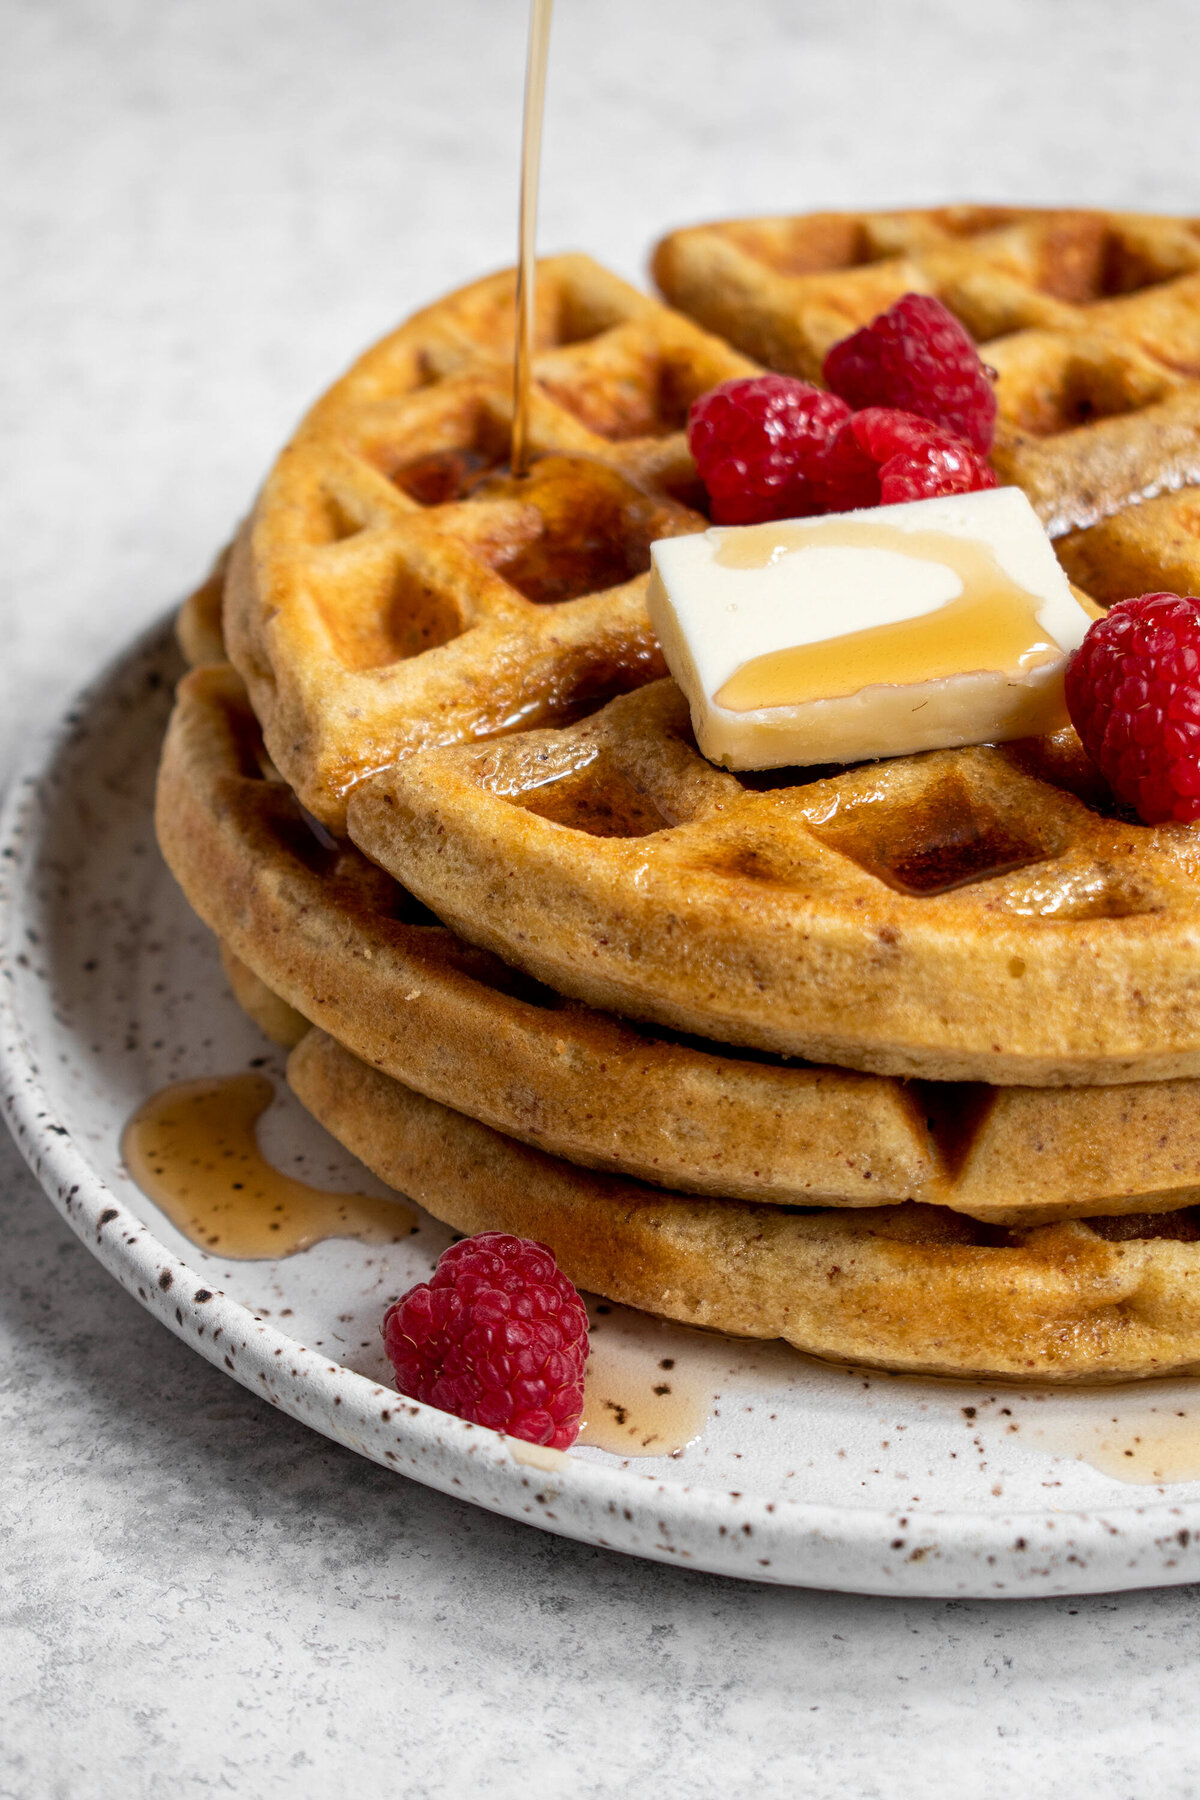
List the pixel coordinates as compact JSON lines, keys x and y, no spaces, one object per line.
{"x":272,"y":1014}
{"x":976,"y":914}
{"x":198,"y":628}
{"x":354,"y":954}
{"x":395,"y":589}
{"x":988,"y":916}
{"x":911,"y":1287}
{"x":1097,"y":317}
{"x":1150,"y":548}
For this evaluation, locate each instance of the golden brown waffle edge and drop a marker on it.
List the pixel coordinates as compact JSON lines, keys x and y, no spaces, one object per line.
{"x":980,"y":914}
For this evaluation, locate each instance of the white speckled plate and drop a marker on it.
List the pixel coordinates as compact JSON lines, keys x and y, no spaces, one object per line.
{"x":802,"y":1473}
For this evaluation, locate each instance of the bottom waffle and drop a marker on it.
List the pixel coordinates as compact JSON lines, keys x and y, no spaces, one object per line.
{"x":913,"y":1288}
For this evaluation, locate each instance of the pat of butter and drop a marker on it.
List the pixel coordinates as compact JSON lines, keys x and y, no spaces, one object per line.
{"x":875,"y":633}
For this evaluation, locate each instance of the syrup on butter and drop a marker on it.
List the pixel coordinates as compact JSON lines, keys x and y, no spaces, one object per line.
{"x":903,"y":628}
{"x":991,"y":624}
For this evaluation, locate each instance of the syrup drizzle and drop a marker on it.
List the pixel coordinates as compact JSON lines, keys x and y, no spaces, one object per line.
{"x":531,"y":162}
{"x":991,"y":624}
{"x":193,"y":1150}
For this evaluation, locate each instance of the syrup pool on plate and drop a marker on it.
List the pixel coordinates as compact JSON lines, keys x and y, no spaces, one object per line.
{"x":192,"y":1148}
{"x":653,"y":1387}
{"x":638,"y":1403}
{"x":1149,"y":1439}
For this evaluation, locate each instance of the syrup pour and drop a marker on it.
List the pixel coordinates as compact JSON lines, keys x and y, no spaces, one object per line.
{"x":991,"y":624}
{"x":192,"y":1149}
{"x":531,"y":162}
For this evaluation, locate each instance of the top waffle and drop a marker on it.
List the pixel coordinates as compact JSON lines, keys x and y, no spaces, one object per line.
{"x":395,"y":589}
{"x":979,"y":914}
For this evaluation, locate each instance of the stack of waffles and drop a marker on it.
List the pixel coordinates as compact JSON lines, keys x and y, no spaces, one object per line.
{"x":900,"y":1062}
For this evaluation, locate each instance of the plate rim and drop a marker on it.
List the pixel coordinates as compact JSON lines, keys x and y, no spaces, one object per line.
{"x":1065,"y":1551}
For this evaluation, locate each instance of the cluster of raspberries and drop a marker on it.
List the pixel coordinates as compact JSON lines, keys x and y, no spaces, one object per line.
{"x":910,"y":413}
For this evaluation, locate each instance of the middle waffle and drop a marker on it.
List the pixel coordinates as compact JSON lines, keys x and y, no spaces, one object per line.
{"x":344,"y":945}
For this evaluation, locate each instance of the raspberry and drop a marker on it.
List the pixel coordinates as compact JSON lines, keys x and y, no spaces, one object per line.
{"x":917,"y":357}
{"x":1133,"y":693}
{"x":498,"y":1335}
{"x":760,"y":444}
{"x":881,"y":457}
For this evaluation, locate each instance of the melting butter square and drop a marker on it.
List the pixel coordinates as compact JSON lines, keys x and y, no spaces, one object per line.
{"x":866,"y":634}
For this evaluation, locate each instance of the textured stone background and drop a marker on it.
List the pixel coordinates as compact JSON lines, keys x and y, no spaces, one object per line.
{"x":209,"y":207}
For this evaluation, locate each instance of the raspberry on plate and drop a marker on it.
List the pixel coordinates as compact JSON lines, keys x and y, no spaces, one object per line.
{"x":917,"y":358}
{"x":760,"y":444}
{"x":1133,"y":693}
{"x":497,"y":1335}
{"x":881,"y":457}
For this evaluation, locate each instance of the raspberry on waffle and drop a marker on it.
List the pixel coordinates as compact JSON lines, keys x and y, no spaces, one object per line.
{"x":917,"y":358}
{"x":1133,"y":689}
{"x":761,"y":446}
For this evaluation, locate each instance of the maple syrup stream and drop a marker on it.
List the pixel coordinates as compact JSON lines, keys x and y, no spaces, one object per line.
{"x":531,"y":162}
